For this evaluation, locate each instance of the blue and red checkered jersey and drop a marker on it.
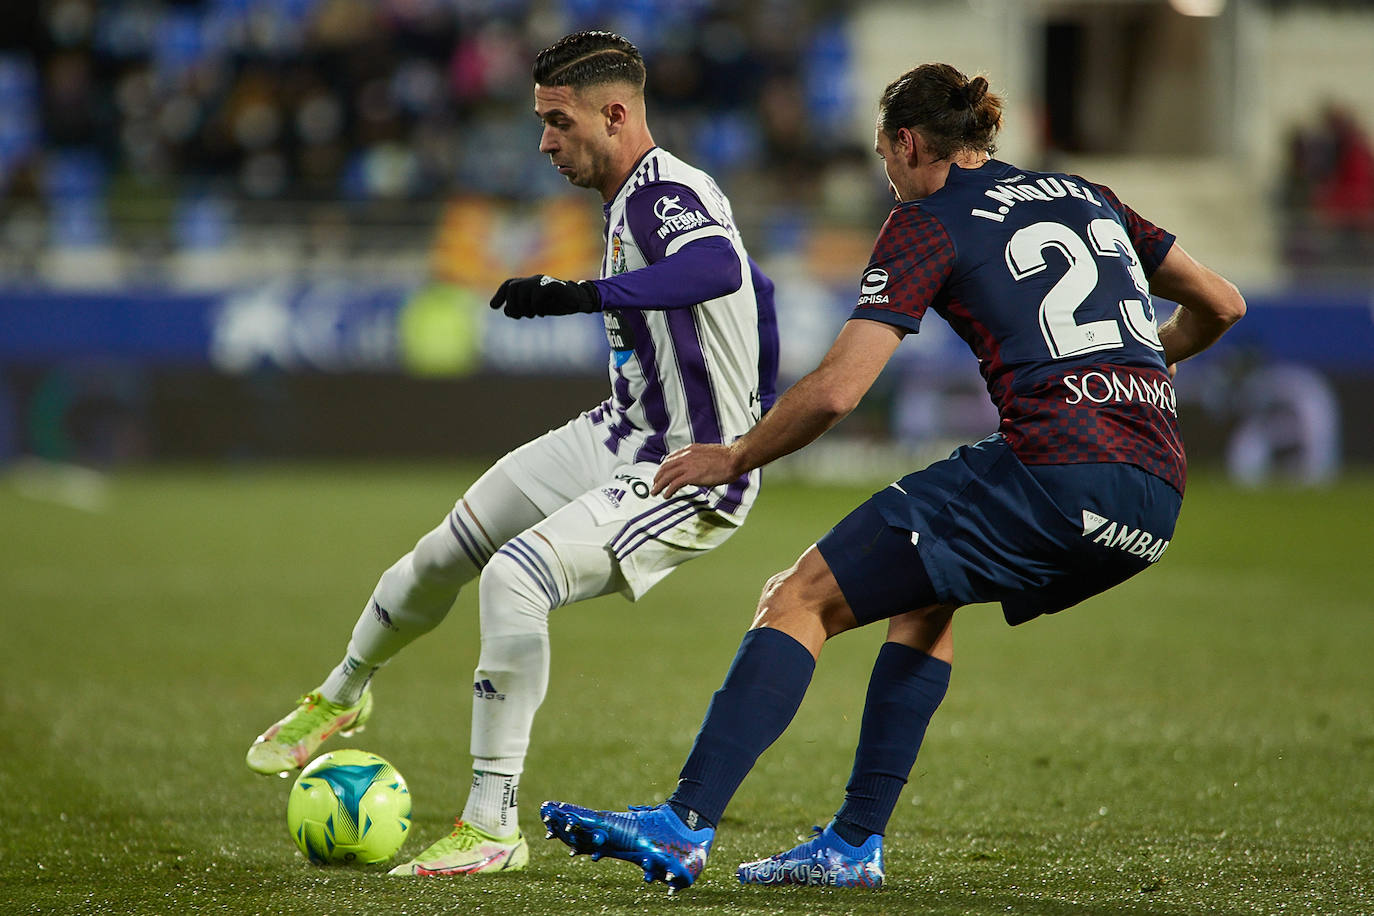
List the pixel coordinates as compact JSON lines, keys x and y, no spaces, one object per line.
{"x":1046,"y":277}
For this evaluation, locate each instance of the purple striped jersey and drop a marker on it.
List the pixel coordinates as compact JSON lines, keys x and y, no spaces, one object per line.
{"x":701,"y":372}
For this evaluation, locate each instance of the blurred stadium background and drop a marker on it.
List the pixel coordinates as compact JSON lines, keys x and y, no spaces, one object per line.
{"x":268,"y":228}
{"x":246,"y":248}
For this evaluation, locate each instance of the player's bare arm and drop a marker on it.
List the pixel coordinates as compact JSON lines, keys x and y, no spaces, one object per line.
{"x":820,"y":400}
{"x":1209,"y":304}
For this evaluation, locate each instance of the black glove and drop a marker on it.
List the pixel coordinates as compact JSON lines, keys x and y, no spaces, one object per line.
{"x":528,"y":297}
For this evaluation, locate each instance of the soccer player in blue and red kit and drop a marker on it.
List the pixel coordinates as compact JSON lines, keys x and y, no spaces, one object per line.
{"x":1048,"y":278}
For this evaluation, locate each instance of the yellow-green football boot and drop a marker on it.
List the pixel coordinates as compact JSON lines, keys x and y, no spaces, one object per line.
{"x":469,"y":850}
{"x":291,"y":742}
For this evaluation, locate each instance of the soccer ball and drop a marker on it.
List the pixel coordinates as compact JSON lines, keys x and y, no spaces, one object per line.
{"x":348,"y":807}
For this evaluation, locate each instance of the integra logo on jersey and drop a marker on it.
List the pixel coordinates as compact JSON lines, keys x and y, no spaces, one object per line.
{"x":666,"y":207}
{"x":872,"y":286}
{"x":675,"y":218}
{"x":682,"y":223}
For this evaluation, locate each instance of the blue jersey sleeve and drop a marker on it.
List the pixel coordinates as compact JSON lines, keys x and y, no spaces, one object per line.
{"x":912,"y":259}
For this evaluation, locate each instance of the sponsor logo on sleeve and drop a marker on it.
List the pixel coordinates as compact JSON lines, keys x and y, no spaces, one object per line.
{"x":667,"y":207}
{"x":872,"y":286}
{"x":676,"y":218}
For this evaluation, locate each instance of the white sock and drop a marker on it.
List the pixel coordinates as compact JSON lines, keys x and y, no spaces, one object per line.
{"x":493,"y":805}
{"x":518,"y":589}
{"x":508,"y":687}
{"x":410,"y":599}
{"x":348,"y":680}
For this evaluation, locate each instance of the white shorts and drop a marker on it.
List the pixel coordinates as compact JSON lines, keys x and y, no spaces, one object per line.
{"x":609,"y":533}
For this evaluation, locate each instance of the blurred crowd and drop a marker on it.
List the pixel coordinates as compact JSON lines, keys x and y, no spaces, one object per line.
{"x":178,"y":117}
{"x":1327,"y":197}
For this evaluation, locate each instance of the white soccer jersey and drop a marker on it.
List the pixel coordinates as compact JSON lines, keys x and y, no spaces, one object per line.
{"x":690,"y":373}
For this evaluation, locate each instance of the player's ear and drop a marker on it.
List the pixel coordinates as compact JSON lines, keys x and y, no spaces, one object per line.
{"x":913,"y":146}
{"x":616,"y":114}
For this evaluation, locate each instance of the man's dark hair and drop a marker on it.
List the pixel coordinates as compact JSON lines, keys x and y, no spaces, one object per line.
{"x":589,"y":58}
{"x":951,"y":111}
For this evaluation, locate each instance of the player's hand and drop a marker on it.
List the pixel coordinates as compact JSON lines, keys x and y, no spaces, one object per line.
{"x":529,"y":297}
{"x":702,"y":464}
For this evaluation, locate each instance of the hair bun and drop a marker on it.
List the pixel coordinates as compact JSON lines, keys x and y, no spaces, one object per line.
{"x":974,"y":92}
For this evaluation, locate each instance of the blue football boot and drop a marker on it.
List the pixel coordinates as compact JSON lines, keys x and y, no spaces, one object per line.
{"x":654,"y":838}
{"x":825,"y":859}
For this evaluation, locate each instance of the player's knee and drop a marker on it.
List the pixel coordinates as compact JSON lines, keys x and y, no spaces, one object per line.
{"x":800,"y":596}
{"x":782,"y":589}
{"x":453,"y":552}
{"x":783,"y":598}
{"x":519,"y":586}
{"x":437,"y":560}
{"x":771,"y":587}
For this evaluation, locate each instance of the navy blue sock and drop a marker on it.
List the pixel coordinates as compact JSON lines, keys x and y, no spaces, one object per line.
{"x":762,"y":691}
{"x":904,"y":691}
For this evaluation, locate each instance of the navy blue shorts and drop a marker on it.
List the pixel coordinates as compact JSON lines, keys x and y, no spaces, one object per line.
{"x":981,"y":526}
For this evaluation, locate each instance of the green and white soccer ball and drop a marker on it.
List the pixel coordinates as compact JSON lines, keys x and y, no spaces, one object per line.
{"x":348,"y":807}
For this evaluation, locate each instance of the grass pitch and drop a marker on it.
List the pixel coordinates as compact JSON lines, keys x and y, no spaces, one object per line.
{"x":1201,"y":740}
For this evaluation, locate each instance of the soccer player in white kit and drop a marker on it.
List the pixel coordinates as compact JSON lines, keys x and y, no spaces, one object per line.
{"x":693,"y":358}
